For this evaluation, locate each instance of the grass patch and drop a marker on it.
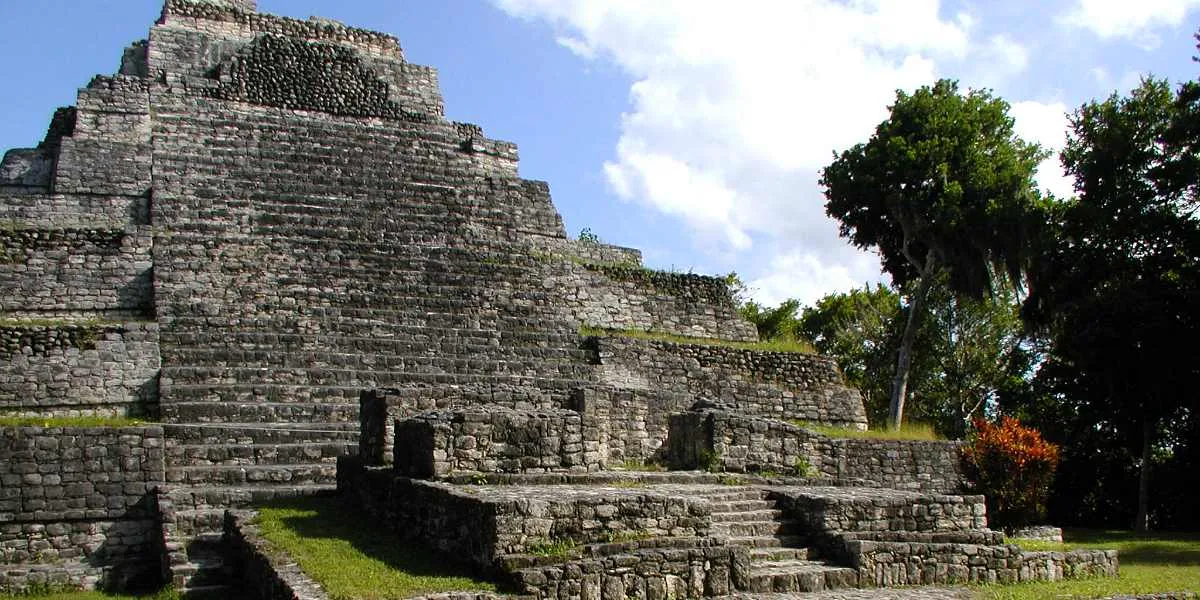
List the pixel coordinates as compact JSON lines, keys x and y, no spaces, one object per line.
{"x":167,"y":594}
{"x":1150,"y":563}
{"x":70,"y":422}
{"x":789,"y":346}
{"x":557,"y":548}
{"x":908,"y":431}
{"x":353,"y":559}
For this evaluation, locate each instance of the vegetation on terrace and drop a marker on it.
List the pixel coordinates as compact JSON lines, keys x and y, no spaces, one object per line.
{"x":69,"y":422}
{"x":908,"y":431}
{"x":790,"y":346}
{"x":355,"y":559}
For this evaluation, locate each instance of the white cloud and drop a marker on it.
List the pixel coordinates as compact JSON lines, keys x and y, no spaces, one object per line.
{"x":1046,"y":124}
{"x":737,"y":106}
{"x":808,"y":277}
{"x":1010,"y":55}
{"x":1134,"y":21}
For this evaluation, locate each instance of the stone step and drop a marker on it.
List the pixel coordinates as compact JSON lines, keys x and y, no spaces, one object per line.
{"x":259,"y":412}
{"x":734,"y":494}
{"x":739,"y":529}
{"x":236,"y":475}
{"x":772,"y":514}
{"x":791,"y":576}
{"x":219,"y":498}
{"x":256,"y":453}
{"x":780,"y":554}
{"x":189,"y":523}
{"x":388,"y":356}
{"x":739,"y":506}
{"x":768,"y":541}
{"x":205,"y":567}
{"x":363,"y":378}
{"x":258,"y":433}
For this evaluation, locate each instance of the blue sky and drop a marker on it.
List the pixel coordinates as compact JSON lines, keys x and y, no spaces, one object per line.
{"x":692,"y":129}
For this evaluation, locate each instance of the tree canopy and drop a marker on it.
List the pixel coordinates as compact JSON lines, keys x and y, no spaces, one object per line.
{"x":1116,"y":287}
{"x":944,"y":191}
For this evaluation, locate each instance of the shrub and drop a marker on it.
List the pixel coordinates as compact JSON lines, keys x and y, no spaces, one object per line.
{"x":1013,"y":466}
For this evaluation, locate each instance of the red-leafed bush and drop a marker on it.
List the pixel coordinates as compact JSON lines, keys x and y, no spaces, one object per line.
{"x":1013,"y":466}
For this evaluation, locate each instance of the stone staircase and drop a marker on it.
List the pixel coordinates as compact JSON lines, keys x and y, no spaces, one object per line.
{"x":214,"y":467}
{"x":781,"y":560}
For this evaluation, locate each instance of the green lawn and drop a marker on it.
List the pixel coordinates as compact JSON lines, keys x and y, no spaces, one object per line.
{"x":1156,"y":562}
{"x":164,"y":595}
{"x":70,"y":422}
{"x":354,"y":558}
{"x":788,"y":346}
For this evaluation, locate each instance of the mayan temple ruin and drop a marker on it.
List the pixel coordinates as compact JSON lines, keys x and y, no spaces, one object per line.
{"x":262,"y":237}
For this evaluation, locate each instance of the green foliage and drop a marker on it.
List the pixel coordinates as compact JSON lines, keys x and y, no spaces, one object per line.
{"x":557,"y":548}
{"x":803,"y":468}
{"x":943,"y":190}
{"x":1013,"y":466}
{"x":710,"y":460}
{"x":798,"y":347}
{"x":587,"y":236}
{"x":969,"y":353}
{"x":1115,"y":296}
{"x":353,"y":558}
{"x":1149,"y":564}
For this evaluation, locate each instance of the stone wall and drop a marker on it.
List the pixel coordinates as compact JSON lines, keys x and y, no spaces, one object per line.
{"x":631,"y":424}
{"x":780,"y":385}
{"x":702,"y":568}
{"x":836,"y":509}
{"x":77,"y":507}
{"x":890,"y":564}
{"x":628,"y":296}
{"x":113,"y":369}
{"x":722,"y":440}
{"x":493,"y":439}
{"x":75,"y":269}
{"x":484,"y":523}
{"x":380,"y":409}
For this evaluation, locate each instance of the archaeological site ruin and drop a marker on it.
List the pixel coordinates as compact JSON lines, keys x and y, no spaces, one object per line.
{"x":262,"y":237}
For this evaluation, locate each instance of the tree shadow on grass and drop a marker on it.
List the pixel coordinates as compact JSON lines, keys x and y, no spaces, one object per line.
{"x":1153,"y":548}
{"x":331,"y":518}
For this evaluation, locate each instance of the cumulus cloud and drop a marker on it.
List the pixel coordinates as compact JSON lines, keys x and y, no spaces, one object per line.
{"x":737,"y":106}
{"x":1134,"y":21}
{"x":1046,"y":124}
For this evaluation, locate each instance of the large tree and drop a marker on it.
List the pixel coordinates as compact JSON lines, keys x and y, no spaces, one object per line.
{"x":943,"y":190}
{"x":1116,"y":287}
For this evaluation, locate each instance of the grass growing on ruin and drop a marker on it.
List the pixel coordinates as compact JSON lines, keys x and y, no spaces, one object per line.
{"x":908,"y":431}
{"x":69,"y":422}
{"x":789,"y":346}
{"x":168,"y":594}
{"x":1150,"y":563}
{"x":357,"y":559}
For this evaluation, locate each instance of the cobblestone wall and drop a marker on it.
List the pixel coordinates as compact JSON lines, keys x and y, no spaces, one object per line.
{"x":628,"y":296}
{"x":76,"y":505}
{"x":727,"y":441}
{"x":113,"y":369}
{"x":493,"y":439}
{"x":380,"y":409}
{"x":891,"y":564}
{"x":483,"y":523}
{"x":701,"y":568}
{"x":75,"y":269}
{"x":779,"y":385}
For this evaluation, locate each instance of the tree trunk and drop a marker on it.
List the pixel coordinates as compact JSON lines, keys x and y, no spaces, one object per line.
{"x":1141,"y":523}
{"x":904,"y":362}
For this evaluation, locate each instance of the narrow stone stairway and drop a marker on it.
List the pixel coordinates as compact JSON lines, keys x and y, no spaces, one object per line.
{"x":780,"y":560}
